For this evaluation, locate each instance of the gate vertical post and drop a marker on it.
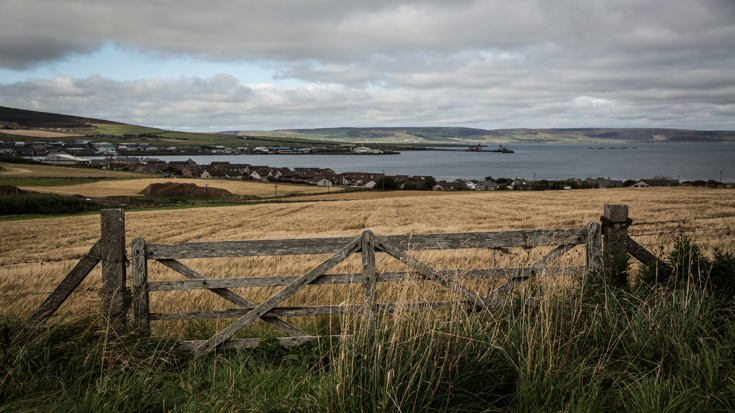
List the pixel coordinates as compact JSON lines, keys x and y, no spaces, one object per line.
{"x":594,"y":246}
{"x":114,"y":297}
{"x":140,"y":286}
{"x":368,"y":272}
{"x":615,"y":223}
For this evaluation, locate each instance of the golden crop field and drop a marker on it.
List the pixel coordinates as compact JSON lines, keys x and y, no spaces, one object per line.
{"x":14,"y":170}
{"x":58,"y":238}
{"x":134,"y":186}
{"x":41,"y":133}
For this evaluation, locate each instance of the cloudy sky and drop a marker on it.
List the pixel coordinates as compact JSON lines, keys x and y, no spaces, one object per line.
{"x":274,"y":64}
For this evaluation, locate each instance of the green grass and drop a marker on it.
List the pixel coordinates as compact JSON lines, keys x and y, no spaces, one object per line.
{"x":173,"y":138}
{"x":45,"y":181}
{"x":567,"y":355}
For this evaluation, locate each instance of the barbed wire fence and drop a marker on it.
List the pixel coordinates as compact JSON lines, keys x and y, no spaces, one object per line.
{"x":688,"y":227}
{"x":48,"y":261}
{"x":97,"y":291}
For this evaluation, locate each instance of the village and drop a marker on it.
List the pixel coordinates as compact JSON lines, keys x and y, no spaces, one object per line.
{"x":152,"y":145}
{"x":326,"y":177}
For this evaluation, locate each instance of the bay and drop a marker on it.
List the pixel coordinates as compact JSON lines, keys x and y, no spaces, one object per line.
{"x":619,"y":161}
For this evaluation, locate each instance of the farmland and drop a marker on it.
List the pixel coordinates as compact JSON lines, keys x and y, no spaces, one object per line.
{"x":581,"y":350}
{"x":12,"y":170}
{"x":95,"y":183}
{"x":133,"y":187}
{"x":461,"y":212}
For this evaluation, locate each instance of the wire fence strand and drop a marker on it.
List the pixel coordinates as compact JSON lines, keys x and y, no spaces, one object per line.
{"x":696,"y":240}
{"x":86,"y":290}
{"x":126,"y":260}
{"x":680,"y":220}
{"x":680,"y":231}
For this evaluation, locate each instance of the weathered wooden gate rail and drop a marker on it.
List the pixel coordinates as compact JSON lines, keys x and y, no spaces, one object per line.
{"x":341,"y":248}
{"x":110,"y":250}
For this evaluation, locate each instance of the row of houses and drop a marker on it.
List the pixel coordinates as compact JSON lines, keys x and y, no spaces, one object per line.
{"x":327,"y":176}
{"x":88,"y":147}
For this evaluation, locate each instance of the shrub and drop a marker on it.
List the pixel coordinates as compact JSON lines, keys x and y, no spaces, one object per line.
{"x":18,"y":159}
{"x":44,"y":204}
{"x":687,"y":267}
{"x":386,"y":183}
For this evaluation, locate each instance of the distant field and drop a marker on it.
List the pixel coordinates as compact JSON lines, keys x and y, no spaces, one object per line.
{"x":66,"y":181}
{"x":40,"y":133}
{"x":173,"y":138}
{"x":134,"y":186}
{"x":55,"y":238}
{"x":49,"y":171}
{"x":44,"y":182}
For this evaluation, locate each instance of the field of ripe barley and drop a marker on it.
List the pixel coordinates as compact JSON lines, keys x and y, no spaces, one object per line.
{"x":58,"y":238}
{"x":14,"y":170}
{"x":132,"y":187}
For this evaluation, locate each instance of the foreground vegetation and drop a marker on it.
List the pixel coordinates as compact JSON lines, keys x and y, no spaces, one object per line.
{"x":663,"y":347}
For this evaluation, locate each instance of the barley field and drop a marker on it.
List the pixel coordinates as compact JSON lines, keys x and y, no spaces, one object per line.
{"x":55,"y":239}
{"x":41,"y":133}
{"x":14,"y":170}
{"x":133,"y":187}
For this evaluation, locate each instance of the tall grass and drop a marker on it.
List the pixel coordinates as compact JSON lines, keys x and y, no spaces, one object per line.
{"x":632,"y":350}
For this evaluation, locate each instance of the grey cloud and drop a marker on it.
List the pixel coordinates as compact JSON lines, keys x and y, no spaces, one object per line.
{"x":223,"y":102}
{"x":487,"y":63}
{"x":335,"y":31}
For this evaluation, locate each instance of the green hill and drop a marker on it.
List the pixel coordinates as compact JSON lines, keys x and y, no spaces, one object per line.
{"x":458,"y":135}
{"x":115,"y":132}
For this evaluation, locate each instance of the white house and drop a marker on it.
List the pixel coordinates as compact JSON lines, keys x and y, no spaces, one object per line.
{"x":65,"y":159}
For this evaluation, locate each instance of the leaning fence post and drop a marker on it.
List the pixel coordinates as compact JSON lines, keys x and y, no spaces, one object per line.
{"x":114,"y":301}
{"x":615,"y":223}
{"x":140,"y":285}
{"x":368,"y":271}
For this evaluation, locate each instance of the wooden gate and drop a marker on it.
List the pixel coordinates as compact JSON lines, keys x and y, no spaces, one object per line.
{"x":342,"y":247}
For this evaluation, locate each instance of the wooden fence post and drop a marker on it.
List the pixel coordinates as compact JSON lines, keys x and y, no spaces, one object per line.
{"x":594,"y":246}
{"x":112,"y":248}
{"x":615,"y":223}
{"x":140,"y":286}
{"x":368,"y":272}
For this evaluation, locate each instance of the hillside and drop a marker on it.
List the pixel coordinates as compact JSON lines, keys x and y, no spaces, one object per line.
{"x":109,"y":131}
{"x":470,"y":135}
{"x":15,"y":123}
{"x":32,"y":119}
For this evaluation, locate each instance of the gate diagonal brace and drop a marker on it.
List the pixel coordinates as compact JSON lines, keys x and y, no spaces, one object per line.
{"x":496,"y":296}
{"x":234,"y":298}
{"x":278,"y":298}
{"x":429,"y":273}
{"x":70,"y":282}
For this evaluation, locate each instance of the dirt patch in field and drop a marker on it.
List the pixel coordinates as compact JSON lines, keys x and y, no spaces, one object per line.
{"x":191,"y":190}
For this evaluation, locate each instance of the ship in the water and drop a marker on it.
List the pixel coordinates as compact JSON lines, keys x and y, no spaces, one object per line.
{"x":502,"y":149}
{"x":478,"y":148}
